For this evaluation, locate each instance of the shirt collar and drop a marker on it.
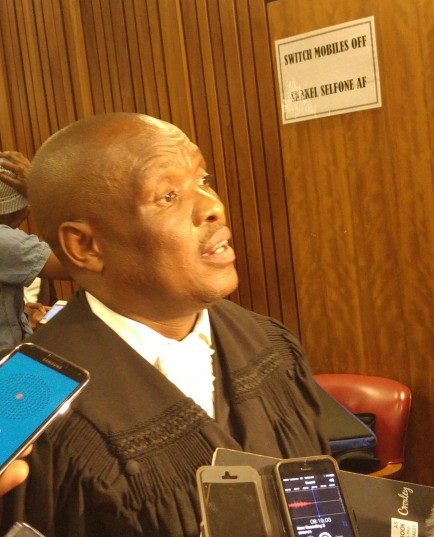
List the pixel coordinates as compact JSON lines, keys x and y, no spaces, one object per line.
{"x":144,"y":340}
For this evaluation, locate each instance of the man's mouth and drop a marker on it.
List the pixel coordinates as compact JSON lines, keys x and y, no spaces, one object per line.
{"x":217,"y":242}
{"x":217,"y":247}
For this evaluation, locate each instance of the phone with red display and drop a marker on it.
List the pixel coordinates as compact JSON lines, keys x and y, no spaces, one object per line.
{"x":312,"y":499}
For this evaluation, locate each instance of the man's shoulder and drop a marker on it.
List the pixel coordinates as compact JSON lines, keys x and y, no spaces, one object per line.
{"x":232,"y":308}
{"x":7,"y":232}
{"x":234,"y":311}
{"x":69,"y":328}
{"x":17,"y":238}
{"x":238,"y":319}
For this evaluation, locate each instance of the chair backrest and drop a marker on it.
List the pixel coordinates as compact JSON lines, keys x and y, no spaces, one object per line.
{"x":388,"y":399}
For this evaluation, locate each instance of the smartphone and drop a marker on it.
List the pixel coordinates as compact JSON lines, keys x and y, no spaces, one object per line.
{"x":232,"y":502}
{"x":312,"y":499}
{"x":21,"y":529}
{"x":55,"y":308}
{"x":36,"y":385}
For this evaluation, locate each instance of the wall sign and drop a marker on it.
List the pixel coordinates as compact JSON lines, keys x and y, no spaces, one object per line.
{"x":329,"y":71}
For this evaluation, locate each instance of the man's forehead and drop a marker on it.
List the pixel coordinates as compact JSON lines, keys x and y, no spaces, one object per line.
{"x":160,"y":124}
{"x":167,"y":151}
{"x":165,"y":129}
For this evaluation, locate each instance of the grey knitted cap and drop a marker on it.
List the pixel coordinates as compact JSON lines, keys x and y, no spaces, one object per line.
{"x":10,"y":199}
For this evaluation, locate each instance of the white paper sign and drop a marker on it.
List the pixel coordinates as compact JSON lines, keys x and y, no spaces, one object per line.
{"x":403,"y":528}
{"x":329,"y":71}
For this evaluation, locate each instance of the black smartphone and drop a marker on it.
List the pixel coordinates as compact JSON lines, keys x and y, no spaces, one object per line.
{"x":312,"y":498}
{"x":36,"y":385}
{"x":232,"y":502}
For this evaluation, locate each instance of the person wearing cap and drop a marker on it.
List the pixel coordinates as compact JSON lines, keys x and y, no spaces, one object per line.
{"x":23,"y":257}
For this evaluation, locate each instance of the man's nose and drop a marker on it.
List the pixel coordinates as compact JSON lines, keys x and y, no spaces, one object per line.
{"x":208,"y":208}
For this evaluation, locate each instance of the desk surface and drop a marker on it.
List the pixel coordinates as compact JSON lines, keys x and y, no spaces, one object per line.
{"x":383,"y":507}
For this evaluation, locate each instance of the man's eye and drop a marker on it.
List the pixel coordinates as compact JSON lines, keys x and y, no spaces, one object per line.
{"x":169,"y":197}
{"x":205,"y":180}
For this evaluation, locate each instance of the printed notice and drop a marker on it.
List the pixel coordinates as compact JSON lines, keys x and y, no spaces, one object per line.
{"x":330,"y":71}
{"x":403,"y":528}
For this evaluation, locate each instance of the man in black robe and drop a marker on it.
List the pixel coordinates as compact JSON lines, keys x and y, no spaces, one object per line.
{"x":176,"y":370}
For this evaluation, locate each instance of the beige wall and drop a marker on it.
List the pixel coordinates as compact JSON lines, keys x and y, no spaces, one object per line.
{"x":332,"y":218}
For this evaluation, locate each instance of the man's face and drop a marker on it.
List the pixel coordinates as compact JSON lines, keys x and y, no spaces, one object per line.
{"x":171,"y":255}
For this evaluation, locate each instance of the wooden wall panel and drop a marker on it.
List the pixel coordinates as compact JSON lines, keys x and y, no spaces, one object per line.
{"x":7,"y":133}
{"x":15,"y":125}
{"x":361,"y":212}
{"x":332,"y":219}
{"x":270,"y":179}
{"x":78,"y":65}
{"x":241,"y":179}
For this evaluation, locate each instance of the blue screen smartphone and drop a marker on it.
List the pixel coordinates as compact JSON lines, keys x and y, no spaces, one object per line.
{"x":312,"y":499}
{"x":36,"y":385}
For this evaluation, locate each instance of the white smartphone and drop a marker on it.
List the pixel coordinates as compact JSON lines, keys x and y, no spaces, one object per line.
{"x":36,"y":385}
{"x":312,"y":499}
{"x":21,"y":529}
{"x":232,"y":502}
{"x":55,"y":308}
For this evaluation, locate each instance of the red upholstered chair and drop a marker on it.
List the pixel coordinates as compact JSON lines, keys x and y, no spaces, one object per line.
{"x":388,"y":399}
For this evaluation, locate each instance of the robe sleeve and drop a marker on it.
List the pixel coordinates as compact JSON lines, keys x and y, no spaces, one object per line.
{"x":79,"y":488}
{"x":71,"y":492}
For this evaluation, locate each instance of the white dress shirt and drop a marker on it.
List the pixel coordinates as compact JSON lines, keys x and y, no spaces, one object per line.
{"x":187,"y":363}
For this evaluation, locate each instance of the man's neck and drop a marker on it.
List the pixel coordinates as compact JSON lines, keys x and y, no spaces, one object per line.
{"x":176,"y":329}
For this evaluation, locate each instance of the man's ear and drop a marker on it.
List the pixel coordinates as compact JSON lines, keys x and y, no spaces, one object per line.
{"x":80,"y":246}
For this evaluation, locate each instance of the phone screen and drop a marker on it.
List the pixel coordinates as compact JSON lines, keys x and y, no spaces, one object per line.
{"x":233,"y":509}
{"x":52,"y":312}
{"x":315,"y":501}
{"x":32,"y":390}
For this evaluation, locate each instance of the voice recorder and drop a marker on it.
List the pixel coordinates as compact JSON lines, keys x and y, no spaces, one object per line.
{"x":312,"y":499}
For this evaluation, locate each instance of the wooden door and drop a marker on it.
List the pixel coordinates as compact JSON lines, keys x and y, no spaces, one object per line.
{"x":360,"y":199}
